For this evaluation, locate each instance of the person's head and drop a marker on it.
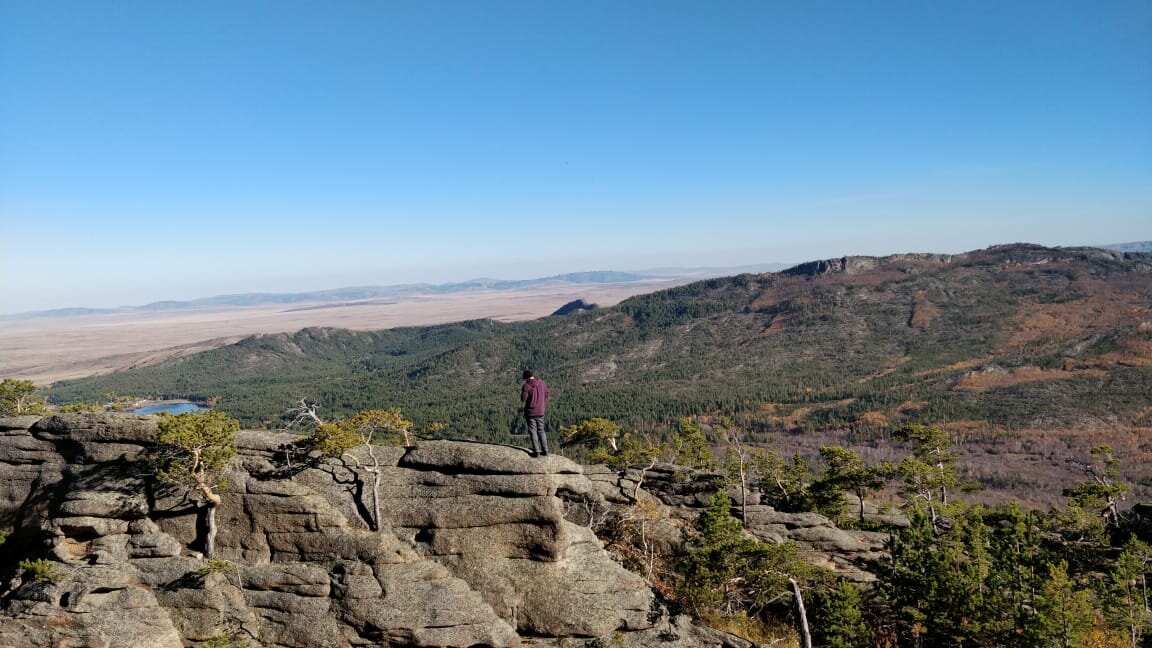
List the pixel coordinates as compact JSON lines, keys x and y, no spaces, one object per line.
{"x":527,"y":374}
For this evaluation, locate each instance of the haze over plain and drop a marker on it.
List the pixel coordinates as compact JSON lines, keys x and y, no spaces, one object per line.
{"x":163,"y":151}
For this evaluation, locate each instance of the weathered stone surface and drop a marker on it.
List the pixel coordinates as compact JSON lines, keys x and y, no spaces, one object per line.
{"x":828,"y":538}
{"x":121,"y":429}
{"x":109,"y":549}
{"x":209,"y":606}
{"x":107,"y":504}
{"x":297,"y":622}
{"x":606,"y":484}
{"x":674,"y":485}
{"x":23,"y":499}
{"x":848,"y":553}
{"x":469,"y":511}
{"x":423,"y":606}
{"x":88,"y":527}
{"x":431,"y":485}
{"x":153,"y":545}
{"x":18,"y":446}
{"x":456,"y":457}
{"x":168,"y":573}
{"x":301,"y":579}
{"x":18,"y":422}
{"x":90,"y":606}
{"x":766,"y":515}
{"x":582,"y":594}
{"x":502,"y":530}
{"x":471,"y":547}
{"x":669,"y":632}
{"x":28,"y":466}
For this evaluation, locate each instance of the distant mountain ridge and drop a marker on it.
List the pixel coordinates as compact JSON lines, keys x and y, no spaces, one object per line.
{"x":1137,"y":246}
{"x":366,"y":293}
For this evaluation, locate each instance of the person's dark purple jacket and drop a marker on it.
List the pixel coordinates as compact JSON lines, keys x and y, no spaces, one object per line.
{"x":534,"y":395}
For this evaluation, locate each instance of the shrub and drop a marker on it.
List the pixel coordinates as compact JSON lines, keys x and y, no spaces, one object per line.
{"x":41,"y":570}
{"x":216,"y":566}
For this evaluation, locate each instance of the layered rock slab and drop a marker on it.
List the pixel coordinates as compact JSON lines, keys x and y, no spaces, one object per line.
{"x":492,"y":516}
{"x":470,"y":548}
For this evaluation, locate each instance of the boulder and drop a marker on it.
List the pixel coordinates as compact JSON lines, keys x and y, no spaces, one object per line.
{"x":458,"y":457}
{"x":99,"y":606}
{"x":22,"y":422}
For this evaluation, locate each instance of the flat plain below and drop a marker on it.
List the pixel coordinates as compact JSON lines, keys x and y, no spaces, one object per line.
{"x":47,"y":349}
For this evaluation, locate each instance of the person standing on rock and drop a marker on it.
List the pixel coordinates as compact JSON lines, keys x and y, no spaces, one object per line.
{"x":534,"y":395}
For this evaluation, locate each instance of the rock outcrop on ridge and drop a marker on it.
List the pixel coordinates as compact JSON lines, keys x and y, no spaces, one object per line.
{"x":472,"y":548}
{"x":682,"y":493}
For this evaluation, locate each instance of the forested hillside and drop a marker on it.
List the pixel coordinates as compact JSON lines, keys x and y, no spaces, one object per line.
{"x":989,"y":343}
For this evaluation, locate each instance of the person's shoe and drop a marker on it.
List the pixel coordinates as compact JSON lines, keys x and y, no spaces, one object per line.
{"x":544,"y":454}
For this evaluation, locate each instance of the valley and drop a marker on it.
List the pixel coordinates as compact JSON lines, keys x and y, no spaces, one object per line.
{"x":47,"y":349}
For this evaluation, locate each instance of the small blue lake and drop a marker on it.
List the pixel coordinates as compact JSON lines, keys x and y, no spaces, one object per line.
{"x":171,"y":408}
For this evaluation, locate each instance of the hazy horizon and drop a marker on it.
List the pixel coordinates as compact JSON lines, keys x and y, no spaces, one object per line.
{"x":686,"y":272}
{"x":172,"y":151}
{"x":295,"y":289}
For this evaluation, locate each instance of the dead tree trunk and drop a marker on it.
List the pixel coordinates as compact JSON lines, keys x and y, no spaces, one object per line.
{"x":210,"y":537}
{"x":805,"y":635}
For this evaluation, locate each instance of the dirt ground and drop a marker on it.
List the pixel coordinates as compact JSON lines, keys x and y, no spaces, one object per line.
{"x":48,"y":349}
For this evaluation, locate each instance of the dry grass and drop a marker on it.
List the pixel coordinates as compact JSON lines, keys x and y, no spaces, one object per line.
{"x":964,"y":364}
{"x":48,"y":349}
{"x":754,"y":630}
{"x":1133,"y":350}
{"x":887,"y":371}
{"x":996,"y":378}
{"x":910,"y":406}
{"x":924,"y":312}
{"x":1105,"y":306}
{"x":874,"y":420}
{"x":797,"y":416}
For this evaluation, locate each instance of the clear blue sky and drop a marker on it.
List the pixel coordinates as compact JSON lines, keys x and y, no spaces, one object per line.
{"x":163,"y":149}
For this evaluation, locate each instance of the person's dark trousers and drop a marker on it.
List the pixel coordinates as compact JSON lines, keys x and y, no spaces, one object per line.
{"x":537,"y":434}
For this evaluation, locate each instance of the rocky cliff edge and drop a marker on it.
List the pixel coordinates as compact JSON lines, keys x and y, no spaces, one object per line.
{"x":472,"y":549}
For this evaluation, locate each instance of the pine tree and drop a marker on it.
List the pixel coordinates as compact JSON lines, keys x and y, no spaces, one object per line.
{"x":196,"y":448}
{"x":689,"y":447}
{"x":730,"y":574}
{"x":348,"y":437}
{"x":1129,"y":608}
{"x":930,"y":472}
{"x":1103,"y":491}
{"x":840,"y":619}
{"x":845,"y":471}
{"x":20,"y":398}
{"x":1064,"y":610}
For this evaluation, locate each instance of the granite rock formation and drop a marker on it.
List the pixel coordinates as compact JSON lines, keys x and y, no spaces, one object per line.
{"x":472,"y":548}
{"x":682,"y":493}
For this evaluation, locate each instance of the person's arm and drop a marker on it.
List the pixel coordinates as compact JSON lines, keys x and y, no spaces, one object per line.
{"x":524,"y":393}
